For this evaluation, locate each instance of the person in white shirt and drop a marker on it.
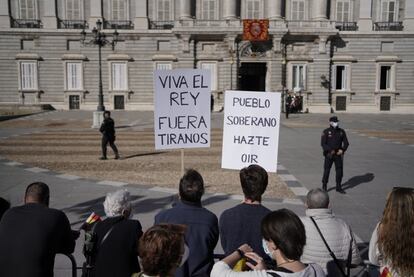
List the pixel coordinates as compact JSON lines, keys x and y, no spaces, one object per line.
{"x":283,"y":240}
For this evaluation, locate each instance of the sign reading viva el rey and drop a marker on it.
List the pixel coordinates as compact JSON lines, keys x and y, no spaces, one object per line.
{"x":251,"y":129}
{"x":182,"y":108}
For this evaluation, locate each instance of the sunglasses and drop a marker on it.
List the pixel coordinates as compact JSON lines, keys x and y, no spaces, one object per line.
{"x":403,"y":189}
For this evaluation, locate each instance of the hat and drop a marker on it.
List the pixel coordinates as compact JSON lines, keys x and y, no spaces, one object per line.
{"x":333,"y":119}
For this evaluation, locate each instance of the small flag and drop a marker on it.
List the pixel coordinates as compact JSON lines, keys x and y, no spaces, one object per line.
{"x":386,"y":273}
{"x":93,"y":218}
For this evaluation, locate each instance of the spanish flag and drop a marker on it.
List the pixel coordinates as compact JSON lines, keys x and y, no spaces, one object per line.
{"x":386,"y":273}
{"x":256,"y":29}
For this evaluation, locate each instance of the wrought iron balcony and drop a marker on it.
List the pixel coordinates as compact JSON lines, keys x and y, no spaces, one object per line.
{"x":118,"y":24}
{"x":161,"y":25}
{"x":72,"y":24}
{"x":388,"y":26}
{"x":309,"y":24}
{"x":25,"y":23}
{"x":346,"y":26}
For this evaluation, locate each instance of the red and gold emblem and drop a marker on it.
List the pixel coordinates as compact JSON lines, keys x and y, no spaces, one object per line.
{"x":255,"y":29}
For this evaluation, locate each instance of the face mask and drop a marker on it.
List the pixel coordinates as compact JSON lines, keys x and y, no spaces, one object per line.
{"x":266,"y":249}
{"x":334,"y":124}
{"x":184,"y":258}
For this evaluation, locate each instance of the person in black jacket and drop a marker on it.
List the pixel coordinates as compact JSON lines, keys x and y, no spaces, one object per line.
{"x":117,"y":239}
{"x":202,"y":231}
{"x":108,"y":135}
{"x":334,"y":144}
{"x":31,"y":235}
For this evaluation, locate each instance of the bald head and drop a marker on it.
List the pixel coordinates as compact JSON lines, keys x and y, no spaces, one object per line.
{"x":37,"y":192}
{"x":317,"y":199}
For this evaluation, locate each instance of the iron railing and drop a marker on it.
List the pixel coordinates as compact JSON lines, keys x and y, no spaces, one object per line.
{"x":118,"y":24}
{"x":346,"y":26}
{"x":388,"y":26}
{"x":161,"y":25}
{"x":25,"y":23}
{"x":72,"y":24}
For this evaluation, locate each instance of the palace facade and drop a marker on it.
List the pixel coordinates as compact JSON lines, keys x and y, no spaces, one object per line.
{"x":353,"y":56}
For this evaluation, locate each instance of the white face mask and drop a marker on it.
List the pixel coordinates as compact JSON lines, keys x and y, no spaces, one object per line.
{"x":334,"y":124}
{"x":266,"y":249}
{"x":186,"y":253}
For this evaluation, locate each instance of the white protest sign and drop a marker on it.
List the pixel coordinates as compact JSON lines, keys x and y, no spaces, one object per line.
{"x":251,"y":129}
{"x":182,"y":108}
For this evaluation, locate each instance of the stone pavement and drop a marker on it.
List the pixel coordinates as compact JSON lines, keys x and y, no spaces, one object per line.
{"x":372,"y":167}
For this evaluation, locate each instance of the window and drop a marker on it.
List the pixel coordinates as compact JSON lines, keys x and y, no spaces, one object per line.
{"x":343,"y":11}
{"x":163,"y":66}
{"x":73,"y":9}
{"x":28,"y":75}
{"x":26,"y":44}
{"x":341,"y":77}
{"x":74,"y":76}
{"x":298,"y":10}
{"x":27,"y":9}
{"x":388,"y":11}
{"x":119,"y":76}
{"x":164,"y":10}
{"x":385,"y":77}
{"x":209,"y":9}
{"x":298,"y":76}
{"x":253,"y":9}
{"x":212,"y":66}
{"x":119,"y":9}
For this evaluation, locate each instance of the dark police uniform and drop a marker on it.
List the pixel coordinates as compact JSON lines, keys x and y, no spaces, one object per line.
{"x":288,"y":103}
{"x":333,"y":140}
{"x":108,"y":136}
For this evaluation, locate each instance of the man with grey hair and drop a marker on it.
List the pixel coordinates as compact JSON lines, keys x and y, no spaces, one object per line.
{"x":117,"y":238}
{"x":337,"y":234}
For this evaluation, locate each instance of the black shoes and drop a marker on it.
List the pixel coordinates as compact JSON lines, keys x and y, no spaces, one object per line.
{"x":103,"y":158}
{"x":340,"y":190}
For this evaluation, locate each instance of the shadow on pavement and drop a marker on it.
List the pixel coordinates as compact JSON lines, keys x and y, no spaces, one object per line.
{"x":140,"y":155}
{"x":152,"y":204}
{"x":357,"y":180}
{"x":214,"y":199}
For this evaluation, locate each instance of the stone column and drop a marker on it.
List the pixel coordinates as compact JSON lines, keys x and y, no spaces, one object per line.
{"x":4,"y":14}
{"x":96,"y":13}
{"x":365,"y":19}
{"x":49,"y":19}
{"x":185,"y":9}
{"x":141,"y":17}
{"x":274,"y":9}
{"x":409,"y":16}
{"x":229,"y":9}
{"x":319,"y":9}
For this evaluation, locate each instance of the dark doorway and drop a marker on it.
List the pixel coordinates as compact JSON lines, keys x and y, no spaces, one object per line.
{"x":74,"y":102}
{"x":119,"y":102}
{"x":252,"y":76}
{"x":341,"y":103}
{"x":385,"y":103}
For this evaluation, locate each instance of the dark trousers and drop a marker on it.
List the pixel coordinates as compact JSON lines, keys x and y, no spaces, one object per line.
{"x":287,"y":110}
{"x":329,"y":160}
{"x":111,"y":142}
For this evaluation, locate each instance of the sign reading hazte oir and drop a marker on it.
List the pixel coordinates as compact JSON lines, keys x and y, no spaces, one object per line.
{"x":182,"y":108}
{"x":251,"y":129}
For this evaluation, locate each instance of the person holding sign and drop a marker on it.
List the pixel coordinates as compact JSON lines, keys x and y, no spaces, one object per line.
{"x":334,"y":144}
{"x":108,"y":135}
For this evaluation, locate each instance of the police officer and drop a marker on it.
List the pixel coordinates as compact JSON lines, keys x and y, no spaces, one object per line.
{"x":334,"y":144}
{"x":288,"y":103}
{"x":108,"y":135}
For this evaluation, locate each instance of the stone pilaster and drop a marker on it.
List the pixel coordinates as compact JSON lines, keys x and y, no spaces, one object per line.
{"x":141,"y":17}
{"x":229,"y":9}
{"x":4,"y":14}
{"x":96,"y":13}
{"x":409,"y":16}
{"x":365,"y":18}
{"x":319,"y":9}
{"x":274,"y":9}
{"x":49,"y":19}
{"x":185,"y":9}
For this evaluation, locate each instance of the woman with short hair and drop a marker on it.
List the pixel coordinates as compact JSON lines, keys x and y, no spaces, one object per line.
{"x":162,"y":250}
{"x":392,"y":242}
{"x":283,"y":240}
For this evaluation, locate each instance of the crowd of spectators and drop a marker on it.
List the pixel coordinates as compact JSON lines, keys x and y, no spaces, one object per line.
{"x":256,"y":241}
